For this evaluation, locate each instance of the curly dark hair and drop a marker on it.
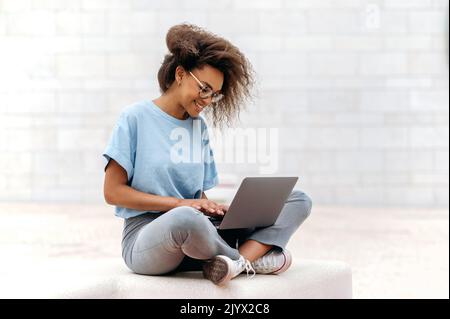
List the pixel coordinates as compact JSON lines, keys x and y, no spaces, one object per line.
{"x":193,"y":47}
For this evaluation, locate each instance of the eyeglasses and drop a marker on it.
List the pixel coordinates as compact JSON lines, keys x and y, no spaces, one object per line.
{"x":206,"y":91}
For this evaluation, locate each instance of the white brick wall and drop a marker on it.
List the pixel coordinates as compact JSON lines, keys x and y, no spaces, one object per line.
{"x":358,"y":90}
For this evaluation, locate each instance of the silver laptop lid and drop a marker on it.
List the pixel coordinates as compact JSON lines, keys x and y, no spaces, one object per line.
{"x":258,"y":202}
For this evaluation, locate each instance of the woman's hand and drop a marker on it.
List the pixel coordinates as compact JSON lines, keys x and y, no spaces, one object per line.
{"x":206,"y":206}
{"x":224,"y":207}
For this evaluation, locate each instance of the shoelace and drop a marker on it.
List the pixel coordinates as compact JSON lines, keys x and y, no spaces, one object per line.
{"x":249,"y":268}
{"x":248,"y":265}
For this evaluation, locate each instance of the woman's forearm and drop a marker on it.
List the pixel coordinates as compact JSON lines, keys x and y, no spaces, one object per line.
{"x":126,"y":196}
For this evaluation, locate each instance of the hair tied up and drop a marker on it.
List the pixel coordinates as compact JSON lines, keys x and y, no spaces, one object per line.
{"x":193,"y":47}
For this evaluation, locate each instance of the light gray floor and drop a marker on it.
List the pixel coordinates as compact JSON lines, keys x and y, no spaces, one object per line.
{"x":394,"y":253}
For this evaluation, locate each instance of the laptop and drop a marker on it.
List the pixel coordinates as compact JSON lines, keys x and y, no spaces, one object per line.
{"x":257,"y":203}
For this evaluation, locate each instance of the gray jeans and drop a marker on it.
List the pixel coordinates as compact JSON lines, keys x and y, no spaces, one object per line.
{"x":182,"y":238}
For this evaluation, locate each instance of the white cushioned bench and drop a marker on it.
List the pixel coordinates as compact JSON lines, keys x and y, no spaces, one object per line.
{"x":110,"y":278}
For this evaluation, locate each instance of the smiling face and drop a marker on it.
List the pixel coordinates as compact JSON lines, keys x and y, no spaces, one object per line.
{"x":189,"y":89}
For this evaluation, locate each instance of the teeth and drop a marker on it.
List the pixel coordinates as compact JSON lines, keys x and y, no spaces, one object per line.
{"x":201,"y":108}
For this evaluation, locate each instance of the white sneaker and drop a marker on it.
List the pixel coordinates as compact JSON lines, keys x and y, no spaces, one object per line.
{"x":222,"y":269}
{"x":274,"y":262}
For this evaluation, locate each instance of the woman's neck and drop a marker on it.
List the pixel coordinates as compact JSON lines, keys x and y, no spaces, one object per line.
{"x":169,"y":105}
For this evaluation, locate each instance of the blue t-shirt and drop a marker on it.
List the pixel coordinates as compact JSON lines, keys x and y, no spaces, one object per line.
{"x":161,"y":154}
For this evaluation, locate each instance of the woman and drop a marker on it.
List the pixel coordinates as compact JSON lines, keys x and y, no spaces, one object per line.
{"x":167,"y":226}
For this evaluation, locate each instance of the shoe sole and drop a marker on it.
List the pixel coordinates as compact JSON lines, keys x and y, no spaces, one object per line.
{"x":287,"y":263}
{"x":217,"y":270}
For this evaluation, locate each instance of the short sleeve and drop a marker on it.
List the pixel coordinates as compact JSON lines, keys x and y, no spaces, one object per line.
{"x":122,"y":144}
{"x":211,"y":177}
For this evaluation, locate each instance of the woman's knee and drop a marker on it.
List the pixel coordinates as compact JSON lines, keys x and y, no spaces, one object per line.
{"x":188,"y":218}
{"x":304,"y":201}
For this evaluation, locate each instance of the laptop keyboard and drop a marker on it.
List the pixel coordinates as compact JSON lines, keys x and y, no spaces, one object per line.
{"x":215,"y":221}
